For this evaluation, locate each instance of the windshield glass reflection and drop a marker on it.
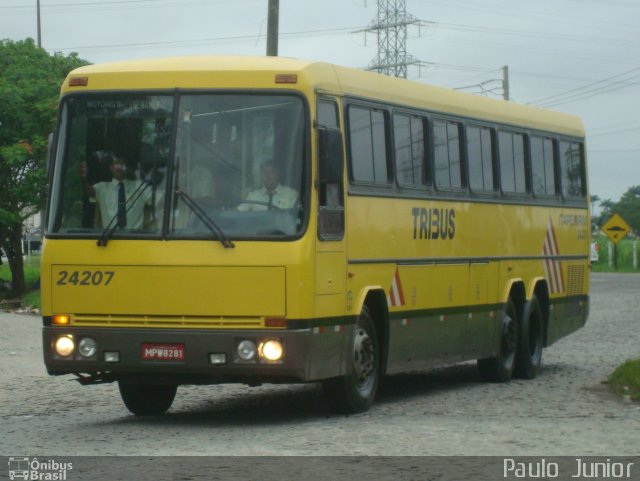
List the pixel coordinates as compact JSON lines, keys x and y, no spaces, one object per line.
{"x":240,"y":159}
{"x":112,"y":164}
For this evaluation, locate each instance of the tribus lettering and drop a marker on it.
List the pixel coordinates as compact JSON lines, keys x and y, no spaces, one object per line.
{"x":433,"y":223}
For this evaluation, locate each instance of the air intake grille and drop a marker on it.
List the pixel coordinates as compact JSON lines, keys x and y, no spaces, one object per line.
{"x":177,"y":322}
{"x":576,"y":281}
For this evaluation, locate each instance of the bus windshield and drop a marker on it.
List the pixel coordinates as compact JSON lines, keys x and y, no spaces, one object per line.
{"x":239,"y":158}
{"x":234,"y":161}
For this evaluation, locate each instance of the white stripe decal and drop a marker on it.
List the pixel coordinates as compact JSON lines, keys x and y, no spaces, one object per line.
{"x":552,"y":268}
{"x":395,"y":296}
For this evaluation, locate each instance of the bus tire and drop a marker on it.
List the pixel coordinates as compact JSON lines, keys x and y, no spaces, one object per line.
{"x":530,"y":341}
{"x":501,"y":367}
{"x":147,"y":399}
{"x":356,"y":391}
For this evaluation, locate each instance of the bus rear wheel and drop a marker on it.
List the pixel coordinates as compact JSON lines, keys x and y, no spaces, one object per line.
{"x":500,"y":368}
{"x":147,"y":399}
{"x":356,"y":391}
{"x":530,"y":340}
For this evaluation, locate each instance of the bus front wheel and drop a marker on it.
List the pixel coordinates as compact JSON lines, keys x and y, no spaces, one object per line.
{"x":500,"y":368}
{"x":147,"y":399}
{"x":356,"y":391}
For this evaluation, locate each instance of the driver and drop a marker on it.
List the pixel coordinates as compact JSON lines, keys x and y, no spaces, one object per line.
{"x":272,"y":194}
{"x":111,"y":196}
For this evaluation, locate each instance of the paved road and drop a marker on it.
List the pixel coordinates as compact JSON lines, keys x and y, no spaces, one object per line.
{"x":566,"y":411}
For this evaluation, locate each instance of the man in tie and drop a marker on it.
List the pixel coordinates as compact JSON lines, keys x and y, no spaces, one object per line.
{"x":272,"y":194}
{"x":111,"y":196}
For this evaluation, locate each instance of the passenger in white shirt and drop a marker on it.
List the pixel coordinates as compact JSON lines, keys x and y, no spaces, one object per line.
{"x":272,"y":194}
{"x":111,"y":202}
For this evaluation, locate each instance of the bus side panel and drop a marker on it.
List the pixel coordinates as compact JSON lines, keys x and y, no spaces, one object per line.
{"x":328,"y":339}
{"x":568,"y":279}
{"x":482,"y":331}
{"x":449,"y":315}
{"x":568,"y":314}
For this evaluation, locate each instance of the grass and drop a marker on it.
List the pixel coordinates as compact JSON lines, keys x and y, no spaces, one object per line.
{"x":625,"y":256}
{"x":625,"y":380}
{"x":32,"y":276}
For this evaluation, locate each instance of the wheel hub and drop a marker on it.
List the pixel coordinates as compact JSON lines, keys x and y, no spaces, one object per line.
{"x":363,"y":357}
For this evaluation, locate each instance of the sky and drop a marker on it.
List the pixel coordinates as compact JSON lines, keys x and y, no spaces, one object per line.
{"x":576,"y":56}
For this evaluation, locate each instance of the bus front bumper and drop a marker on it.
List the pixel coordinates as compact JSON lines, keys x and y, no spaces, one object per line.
{"x":180,"y":356}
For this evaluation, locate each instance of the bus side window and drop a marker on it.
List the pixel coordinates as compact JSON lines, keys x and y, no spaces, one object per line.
{"x":572,"y":169}
{"x":512,"y":166}
{"x":368,"y":145}
{"x":448,"y":169}
{"x":480,"y":156}
{"x":542,"y":166}
{"x":409,"y":146}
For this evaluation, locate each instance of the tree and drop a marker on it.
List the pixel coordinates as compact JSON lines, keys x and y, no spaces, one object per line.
{"x":608,"y":208}
{"x":30,"y":81}
{"x":593,"y":200}
{"x":629,"y":207}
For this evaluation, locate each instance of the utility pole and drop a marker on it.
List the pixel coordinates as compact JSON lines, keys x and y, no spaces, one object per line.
{"x":390,"y":27}
{"x":39,"y":30}
{"x":505,"y":82}
{"x":272,"y":28}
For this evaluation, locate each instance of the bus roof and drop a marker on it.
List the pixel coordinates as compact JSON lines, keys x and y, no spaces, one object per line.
{"x":202,"y":72}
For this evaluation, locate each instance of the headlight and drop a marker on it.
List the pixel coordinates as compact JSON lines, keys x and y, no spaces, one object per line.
{"x":271,"y":350}
{"x":246,"y":350}
{"x":87,"y":347}
{"x":64,"y":346}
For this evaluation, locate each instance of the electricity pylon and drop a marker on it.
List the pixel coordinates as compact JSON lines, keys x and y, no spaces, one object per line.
{"x":390,"y":27}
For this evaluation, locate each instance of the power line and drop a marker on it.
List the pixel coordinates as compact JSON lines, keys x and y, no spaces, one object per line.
{"x":615,"y":151}
{"x":585,"y":95}
{"x":606,"y":85}
{"x":531,"y":34}
{"x":211,"y":39}
{"x":110,"y":2}
{"x":617,"y":124}
{"x":584,"y":52}
{"x":528,"y":14}
{"x":613,"y":132}
{"x":79,"y":4}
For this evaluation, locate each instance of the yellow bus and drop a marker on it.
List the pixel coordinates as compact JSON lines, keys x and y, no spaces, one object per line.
{"x":270,"y":220}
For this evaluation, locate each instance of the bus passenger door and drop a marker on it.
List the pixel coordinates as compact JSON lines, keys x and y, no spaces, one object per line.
{"x":330,"y":266}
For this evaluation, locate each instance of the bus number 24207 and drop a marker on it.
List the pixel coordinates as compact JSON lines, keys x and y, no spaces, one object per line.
{"x":85,"y":278}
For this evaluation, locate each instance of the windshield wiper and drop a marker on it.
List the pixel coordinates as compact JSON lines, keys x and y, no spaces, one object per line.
{"x":206,"y":220}
{"x":113,"y":225}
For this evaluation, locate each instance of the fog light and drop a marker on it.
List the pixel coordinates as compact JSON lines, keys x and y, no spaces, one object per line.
{"x":271,"y":350}
{"x":247,"y":350}
{"x":87,"y":347}
{"x":64,"y":346}
{"x":111,"y":356}
{"x":217,"y":358}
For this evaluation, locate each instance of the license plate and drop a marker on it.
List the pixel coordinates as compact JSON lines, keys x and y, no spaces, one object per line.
{"x":163,"y":352}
